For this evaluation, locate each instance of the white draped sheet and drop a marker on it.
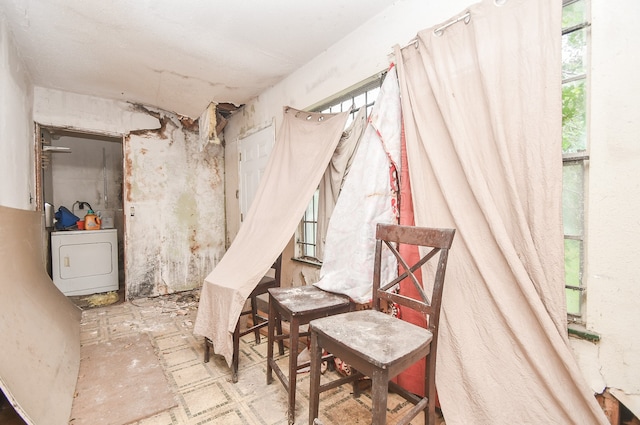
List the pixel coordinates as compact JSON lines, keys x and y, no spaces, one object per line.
{"x":303,"y":148}
{"x":368,"y":197}
{"x":335,"y":175}
{"x":482,"y":110}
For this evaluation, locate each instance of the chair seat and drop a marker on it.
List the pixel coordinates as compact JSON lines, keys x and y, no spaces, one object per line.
{"x":367,"y":333}
{"x":308,"y":301}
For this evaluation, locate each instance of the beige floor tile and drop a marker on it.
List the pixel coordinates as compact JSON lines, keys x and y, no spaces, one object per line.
{"x":163,"y":418}
{"x":171,"y":342}
{"x":180,"y":356}
{"x":190,"y":375}
{"x":206,"y":399}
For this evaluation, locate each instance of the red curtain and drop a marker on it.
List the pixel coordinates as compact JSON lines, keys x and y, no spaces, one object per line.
{"x":412,"y":378}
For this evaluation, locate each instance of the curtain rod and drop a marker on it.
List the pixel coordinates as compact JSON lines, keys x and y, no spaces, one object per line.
{"x":466,"y":17}
{"x":440,"y":30}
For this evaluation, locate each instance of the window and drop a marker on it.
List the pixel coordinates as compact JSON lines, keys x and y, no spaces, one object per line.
{"x":308,"y":230}
{"x":575,"y":33}
{"x":363,"y":96}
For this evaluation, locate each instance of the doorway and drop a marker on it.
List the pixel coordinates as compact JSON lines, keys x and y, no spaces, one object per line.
{"x":254,"y":153}
{"x":79,"y":172}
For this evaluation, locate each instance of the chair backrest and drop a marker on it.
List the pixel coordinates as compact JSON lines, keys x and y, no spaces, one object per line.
{"x":439,"y":240}
{"x":277,"y":266}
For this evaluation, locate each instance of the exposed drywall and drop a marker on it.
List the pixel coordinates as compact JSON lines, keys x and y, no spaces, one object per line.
{"x":613,"y":201}
{"x":174,"y":206}
{"x":173,"y":190}
{"x":40,"y":327}
{"x":363,"y":53}
{"x":16,"y":126}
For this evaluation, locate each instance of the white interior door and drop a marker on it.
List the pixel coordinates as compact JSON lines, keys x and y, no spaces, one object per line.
{"x":254,"y":152}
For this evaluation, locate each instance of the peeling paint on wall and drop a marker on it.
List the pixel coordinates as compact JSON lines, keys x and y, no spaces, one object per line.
{"x":175,"y":206}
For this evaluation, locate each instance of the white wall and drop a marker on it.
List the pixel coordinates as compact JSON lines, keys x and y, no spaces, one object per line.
{"x":613,"y":226}
{"x":16,"y":127}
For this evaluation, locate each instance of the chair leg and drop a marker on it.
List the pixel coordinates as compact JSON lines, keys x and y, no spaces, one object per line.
{"x":355,"y":385}
{"x":430,"y":390}
{"x":236,"y":353}
{"x":314,"y":392}
{"x":379,"y":392}
{"x":279,"y":329}
{"x":254,"y":317}
{"x":206,"y":350}
{"x":293,"y":367}
{"x":270,"y":340}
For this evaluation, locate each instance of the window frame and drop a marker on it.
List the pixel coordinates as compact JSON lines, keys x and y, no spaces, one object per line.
{"x":581,"y":158}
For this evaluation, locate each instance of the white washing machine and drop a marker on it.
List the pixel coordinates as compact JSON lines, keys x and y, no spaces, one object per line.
{"x":85,"y":261}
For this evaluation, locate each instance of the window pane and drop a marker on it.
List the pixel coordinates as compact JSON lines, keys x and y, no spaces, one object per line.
{"x":573,"y":301}
{"x":572,"y":262}
{"x":309,"y":213}
{"x":572,"y":274}
{"x":574,"y":117}
{"x":574,"y":53}
{"x":372,"y":95}
{"x":360,"y":100}
{"x":349,"y":120}
{"x":572,"y":198}
{"x":369,"y":109}
{"x":574,"y":14}
{"x":310,"y":233}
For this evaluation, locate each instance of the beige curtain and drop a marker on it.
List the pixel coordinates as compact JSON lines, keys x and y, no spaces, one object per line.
{"x":482,"y":109}
{"x":335,"y":175}
{"x":303,"y":148}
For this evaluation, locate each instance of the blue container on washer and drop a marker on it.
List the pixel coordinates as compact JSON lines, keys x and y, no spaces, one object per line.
{"x":65,"y":219}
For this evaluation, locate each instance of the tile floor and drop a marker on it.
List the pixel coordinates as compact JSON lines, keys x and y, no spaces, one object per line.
{"x":204,"y":391}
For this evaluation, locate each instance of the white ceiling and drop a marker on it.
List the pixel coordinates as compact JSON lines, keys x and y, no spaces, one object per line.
{"x":178,"y":55}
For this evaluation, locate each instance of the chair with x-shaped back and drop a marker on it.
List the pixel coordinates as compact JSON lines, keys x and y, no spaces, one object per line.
{"x":378,"y":345}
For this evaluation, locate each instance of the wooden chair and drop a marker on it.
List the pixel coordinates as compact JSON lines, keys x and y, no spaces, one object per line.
{"x":258,"y":322}
{"x":298,"y":306}
{"x":378,"y":345}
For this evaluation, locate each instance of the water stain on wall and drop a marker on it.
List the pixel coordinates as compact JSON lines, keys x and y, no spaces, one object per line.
{"x":175,"y":207}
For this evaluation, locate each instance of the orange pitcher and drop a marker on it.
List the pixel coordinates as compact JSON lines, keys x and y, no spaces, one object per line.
{"x":92,"y":221}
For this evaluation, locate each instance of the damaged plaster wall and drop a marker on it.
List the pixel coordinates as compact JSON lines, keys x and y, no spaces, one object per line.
{"x":174,"y":206}
{"x":173,"y":189}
